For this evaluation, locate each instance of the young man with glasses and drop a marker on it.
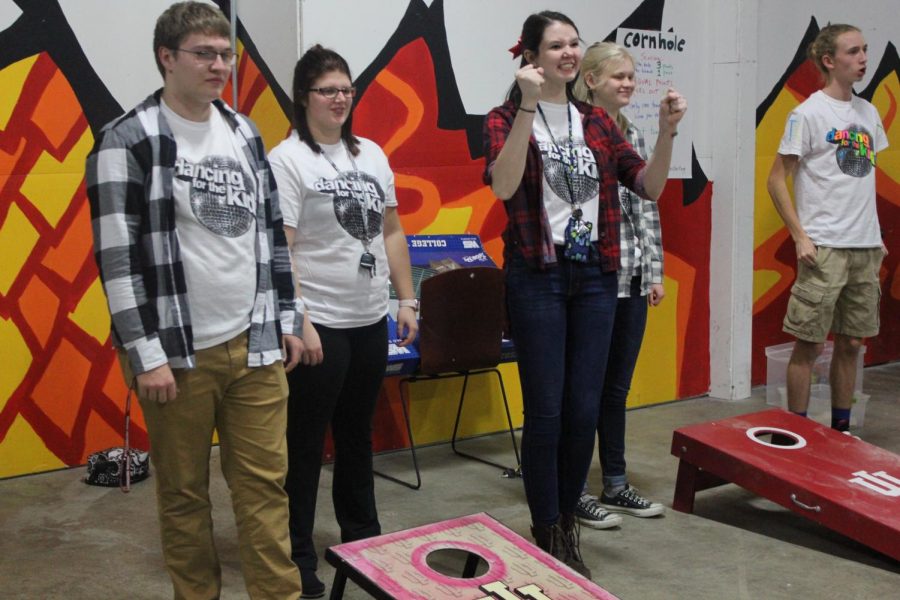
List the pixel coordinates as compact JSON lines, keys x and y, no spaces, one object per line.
{"x":189,"y":242}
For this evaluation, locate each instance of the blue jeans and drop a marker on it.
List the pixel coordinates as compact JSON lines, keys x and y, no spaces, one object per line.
{"x":628,"y":332}
{"x":561,"y":321}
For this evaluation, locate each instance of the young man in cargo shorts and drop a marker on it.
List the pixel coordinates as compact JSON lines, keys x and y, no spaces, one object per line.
{"x":829,"y":148}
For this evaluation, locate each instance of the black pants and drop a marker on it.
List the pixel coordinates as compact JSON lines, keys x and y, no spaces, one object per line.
{"x":341,"y":391}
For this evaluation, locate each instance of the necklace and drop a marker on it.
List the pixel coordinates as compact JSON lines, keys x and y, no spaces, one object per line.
{"x":367,"y":260}
{"x":568,"y":161}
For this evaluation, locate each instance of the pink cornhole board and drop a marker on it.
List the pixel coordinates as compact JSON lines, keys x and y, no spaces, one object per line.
{"x":392,"y":566}
{"x":842,"y":482}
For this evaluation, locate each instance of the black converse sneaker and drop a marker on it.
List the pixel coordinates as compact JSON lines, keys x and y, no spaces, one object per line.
{"x":630,"y":502}
{"x":590,"y":514}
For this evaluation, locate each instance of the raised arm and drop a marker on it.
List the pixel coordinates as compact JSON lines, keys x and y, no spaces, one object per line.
{"x":509,"y":165}
{"x":671,"y":111}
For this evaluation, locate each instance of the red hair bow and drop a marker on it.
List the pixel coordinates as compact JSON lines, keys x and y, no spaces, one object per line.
{"x":517,"y":49}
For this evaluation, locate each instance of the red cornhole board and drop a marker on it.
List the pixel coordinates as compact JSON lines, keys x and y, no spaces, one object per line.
{"x":393,"y":566}
{"x":834,"y":479}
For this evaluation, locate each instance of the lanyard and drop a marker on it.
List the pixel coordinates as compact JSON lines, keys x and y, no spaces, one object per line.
{"x":569,"y":161}
{"x":349,"y":155}
{"x":353,"y":175}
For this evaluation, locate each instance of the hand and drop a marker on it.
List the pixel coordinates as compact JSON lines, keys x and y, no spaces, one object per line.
{"x":884,"y":249}
{"x":806,"y":251}
{"x":312,"y":345}
{"x":531,"y":82}
{"x":407,"y":325}
{"x":157,"y":385}
{"x":671,"y":111}
{"x":657,"y":293}
{"x":292,"y":346}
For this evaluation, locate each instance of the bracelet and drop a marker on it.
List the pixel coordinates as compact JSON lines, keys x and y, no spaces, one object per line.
{"x":674,"y":133}
{"x":412,"y":303}
{"x":531,"y":110}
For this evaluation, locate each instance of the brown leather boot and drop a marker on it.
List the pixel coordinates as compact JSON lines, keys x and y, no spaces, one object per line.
{"x":571,"y":540}
{"x":549,"y":538}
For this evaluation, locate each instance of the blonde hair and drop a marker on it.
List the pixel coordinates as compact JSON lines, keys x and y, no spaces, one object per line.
{"x":826,"y":44}
{"x":596,"y":60}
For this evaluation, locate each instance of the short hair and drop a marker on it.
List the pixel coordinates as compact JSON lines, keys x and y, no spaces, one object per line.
{"x":314,"y":63}
{"x":531,"y":38}
{"x":826,"y":44}
{"x":181,"y":20}
{"x":596,"y":59}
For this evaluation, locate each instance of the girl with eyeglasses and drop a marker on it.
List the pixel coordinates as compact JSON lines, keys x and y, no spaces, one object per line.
{"x":556,"y":163}
{"x":337,"y":194}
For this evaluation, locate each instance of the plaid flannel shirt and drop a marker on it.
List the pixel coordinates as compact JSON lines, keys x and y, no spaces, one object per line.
{"x":640,"y":220}
{"x":129,"y":175}
{"x":528,"y":228}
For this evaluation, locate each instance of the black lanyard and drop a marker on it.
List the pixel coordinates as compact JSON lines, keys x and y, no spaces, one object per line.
{"x":353,"y":175}
{"x":569,"y":161}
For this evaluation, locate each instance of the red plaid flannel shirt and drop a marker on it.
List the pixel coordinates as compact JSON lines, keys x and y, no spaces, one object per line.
{"x":528,"y":229}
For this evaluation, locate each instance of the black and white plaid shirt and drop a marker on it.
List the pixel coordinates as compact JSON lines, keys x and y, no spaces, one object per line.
{"x":640,"y":222}
{"x":129,"y":185}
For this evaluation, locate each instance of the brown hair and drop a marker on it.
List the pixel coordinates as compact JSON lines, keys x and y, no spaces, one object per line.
{"x":314,"y":63}
{"x":826,"y":44}
{"x":532,"y":35}
{"x":181,"y":20}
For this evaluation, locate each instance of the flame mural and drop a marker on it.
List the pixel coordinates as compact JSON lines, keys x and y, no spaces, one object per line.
{"x":61,"y":393}
{"x":774,"y":256}
{"x":410,"y":104}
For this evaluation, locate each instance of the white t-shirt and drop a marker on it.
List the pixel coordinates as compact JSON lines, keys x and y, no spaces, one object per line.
{"x":581,"y":181}
{"x":326,"y":210}
{"x":215,"y":220}
{"x":834,"y":186}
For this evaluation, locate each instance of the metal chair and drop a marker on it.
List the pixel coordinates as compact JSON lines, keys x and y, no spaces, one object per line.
{"x":461,"y":324}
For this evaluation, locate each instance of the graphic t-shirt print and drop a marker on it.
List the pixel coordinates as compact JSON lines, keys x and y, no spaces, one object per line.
{"x":582,"y":171}
{"x":854,"y":152}
{"x":221,"y":194}
{"x":358,"y":203}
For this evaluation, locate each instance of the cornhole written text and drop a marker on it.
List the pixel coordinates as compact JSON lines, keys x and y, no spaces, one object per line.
{"x":837,"y":480}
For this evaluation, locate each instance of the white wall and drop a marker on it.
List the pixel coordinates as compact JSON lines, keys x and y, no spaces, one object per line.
{"x":782,"y":24}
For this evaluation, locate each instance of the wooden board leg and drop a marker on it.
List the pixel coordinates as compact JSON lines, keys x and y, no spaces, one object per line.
{"x":685,"y":487}
{"x":471,"y":566}
{"x":691,"y":480}
{"x":337,"y":586}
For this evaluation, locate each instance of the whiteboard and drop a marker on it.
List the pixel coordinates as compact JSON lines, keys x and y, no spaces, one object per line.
{"x":662,"y":60}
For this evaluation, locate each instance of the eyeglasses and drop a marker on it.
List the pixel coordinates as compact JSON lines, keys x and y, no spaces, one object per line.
{"x":332,"y":92}
{"x":208,"y":57}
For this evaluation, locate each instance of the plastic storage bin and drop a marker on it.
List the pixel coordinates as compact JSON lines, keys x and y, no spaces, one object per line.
{"x":777,"y":358}
{"x":819,"y":408}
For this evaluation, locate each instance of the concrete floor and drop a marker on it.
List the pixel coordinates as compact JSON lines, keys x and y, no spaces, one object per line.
{"x":62,"y":539}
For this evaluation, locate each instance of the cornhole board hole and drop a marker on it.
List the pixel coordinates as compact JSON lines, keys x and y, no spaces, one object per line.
{"x":394,"y":566}
{"x":837,"y":480}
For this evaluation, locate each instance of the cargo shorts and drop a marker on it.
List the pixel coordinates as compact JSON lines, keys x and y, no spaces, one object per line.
{"x":841,"y":294}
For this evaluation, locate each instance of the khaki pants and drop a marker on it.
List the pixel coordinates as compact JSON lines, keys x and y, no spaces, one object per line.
{"x":247,"y":406}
